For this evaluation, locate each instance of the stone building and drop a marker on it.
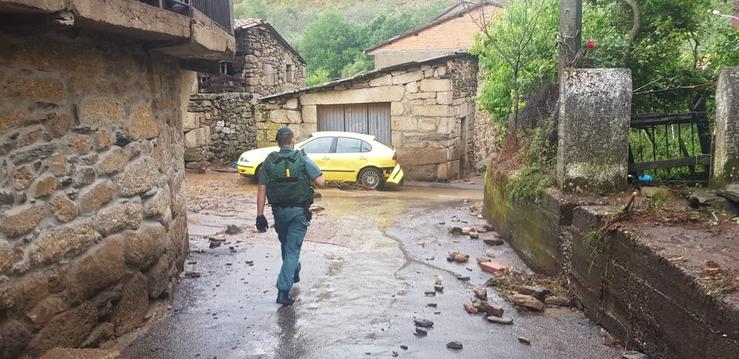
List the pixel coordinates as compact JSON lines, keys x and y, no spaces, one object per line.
{"x":264,"y":63}
{"x":220,"y":124}
{"x":452,"y":31}
{"x":424,"y":109}
{"x":92,"y":207}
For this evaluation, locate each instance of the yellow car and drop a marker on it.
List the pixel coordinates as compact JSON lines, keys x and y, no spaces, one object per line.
{"x":342,"y":156}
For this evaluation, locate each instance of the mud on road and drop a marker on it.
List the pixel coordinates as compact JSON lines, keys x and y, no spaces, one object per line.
{"x":367,"y":261}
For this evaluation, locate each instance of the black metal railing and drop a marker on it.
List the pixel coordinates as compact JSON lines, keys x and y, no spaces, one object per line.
{"x":220,"y":11}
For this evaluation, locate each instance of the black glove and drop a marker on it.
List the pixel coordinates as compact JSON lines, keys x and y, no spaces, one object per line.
{"x":262,"y":223}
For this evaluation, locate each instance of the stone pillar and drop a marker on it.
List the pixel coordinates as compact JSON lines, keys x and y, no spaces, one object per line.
{"x":594,"y":118}
{"x":726,"y":154}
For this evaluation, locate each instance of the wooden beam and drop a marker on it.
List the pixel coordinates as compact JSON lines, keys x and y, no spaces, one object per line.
{"x":680,"y":162}
{"x":645,"y":121}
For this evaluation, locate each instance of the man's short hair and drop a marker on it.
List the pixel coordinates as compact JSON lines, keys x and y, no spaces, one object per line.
{"x":284,"y":136}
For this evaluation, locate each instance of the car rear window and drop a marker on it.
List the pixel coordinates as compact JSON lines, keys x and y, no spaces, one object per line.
{"x":366,"y":147}
{"x":348,"y":145}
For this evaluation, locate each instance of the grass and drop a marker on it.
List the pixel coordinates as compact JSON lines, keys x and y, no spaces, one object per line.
{"x":537,"y":156}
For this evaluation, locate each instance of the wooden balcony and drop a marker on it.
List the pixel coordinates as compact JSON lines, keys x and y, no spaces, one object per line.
{"x":220,"y":11}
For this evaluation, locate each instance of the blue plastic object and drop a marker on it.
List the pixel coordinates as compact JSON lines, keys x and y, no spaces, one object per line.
{"x":645,"y":178}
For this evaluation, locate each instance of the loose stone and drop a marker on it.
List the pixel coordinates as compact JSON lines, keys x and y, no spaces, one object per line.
{"x":500,"y":320}
{"x":423,"y":323}
{"x":524,"y":340}
{"x":492,"y":309}
{"x":527,"y":302}
{"x":481,"y":293}
{"x":454,"y":345}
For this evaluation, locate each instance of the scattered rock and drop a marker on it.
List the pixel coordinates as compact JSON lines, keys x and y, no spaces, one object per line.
{"x":438,"y":279}
{"x":492,"y":267}
{"x":432,"y":305}
{"x":458,"y":257}
{"x":439,"y":288}
{"x":467,"y":230}
{"x":454,"y":345}
{"x":527,"y":302}
{"x":731,"y":192}
{"x":430,"y":293}
{"x":233,"y":229}
{"x":395,"y":354}
{"x":463,"y":278}
{"x":537,"y":292}
{"x":494,"y":241}
{"x":633,"y":354}
{"x":423,"y":323}
{"x":557,"y":301}
{"x":455,"y":231}
{"x":491,"y":309}
{"x":524,"y":340}
{"x":469,"y":308}
{"x":474,"y":235}
{"x":215,"y":242}
{"x":481,"y":293}
{"x":484,"y":259}
{"x":500,"y":320}
{"x":404,"y":347}
{"x":420,"y":332}
{"x":189,"y":274}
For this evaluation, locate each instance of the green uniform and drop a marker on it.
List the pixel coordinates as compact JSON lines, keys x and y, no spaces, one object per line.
{"x":287,"y":175}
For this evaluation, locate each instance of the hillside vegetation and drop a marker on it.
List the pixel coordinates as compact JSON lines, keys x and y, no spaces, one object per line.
{"x":332,"y":34}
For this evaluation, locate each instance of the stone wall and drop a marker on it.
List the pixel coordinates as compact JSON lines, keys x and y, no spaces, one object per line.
{"x":626,"y":280}
{"x":219,"y":127}
{"x":631,"y":285}
{"x":263,"y":65}
{"x":92,"y":209}
{"x":428,"y":101}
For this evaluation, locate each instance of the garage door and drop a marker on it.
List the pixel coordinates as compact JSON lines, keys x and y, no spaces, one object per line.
{"x":368,"y":118}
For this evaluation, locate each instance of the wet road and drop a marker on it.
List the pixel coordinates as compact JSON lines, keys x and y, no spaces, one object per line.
{"x":368,"y":259}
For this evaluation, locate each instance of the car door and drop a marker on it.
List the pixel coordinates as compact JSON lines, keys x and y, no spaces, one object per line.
{"x":348,"y":158}
{"x":318,"y":150}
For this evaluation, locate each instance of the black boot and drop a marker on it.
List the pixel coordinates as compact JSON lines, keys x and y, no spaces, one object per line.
{"x":283,"y":297}
{"x":296,"y":277}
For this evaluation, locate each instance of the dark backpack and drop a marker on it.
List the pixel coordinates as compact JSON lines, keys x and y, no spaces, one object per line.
{"x":289,"y":185}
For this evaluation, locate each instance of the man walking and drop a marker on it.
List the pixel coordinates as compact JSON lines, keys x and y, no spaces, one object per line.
{"x":285,"y":180}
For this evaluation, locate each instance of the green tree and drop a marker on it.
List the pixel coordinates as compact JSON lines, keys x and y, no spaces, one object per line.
{"x":517,"y":54}
{"x":327,"y":43}
{"x":318,"y":77}
{"x":674,"y":43}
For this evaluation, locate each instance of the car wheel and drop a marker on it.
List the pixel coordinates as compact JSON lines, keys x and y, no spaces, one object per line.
{"x":371,"y":178}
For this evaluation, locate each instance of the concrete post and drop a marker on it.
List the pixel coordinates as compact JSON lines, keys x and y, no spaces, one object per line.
{"x":726,"y":154}
{"x":594,"y":120}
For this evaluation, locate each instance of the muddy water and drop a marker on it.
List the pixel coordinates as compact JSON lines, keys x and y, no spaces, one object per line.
{"x":368,"y":259}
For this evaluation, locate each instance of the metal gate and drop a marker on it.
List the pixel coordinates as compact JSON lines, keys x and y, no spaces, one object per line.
{"x":368,"y":118}
{"x":672,"y":147}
